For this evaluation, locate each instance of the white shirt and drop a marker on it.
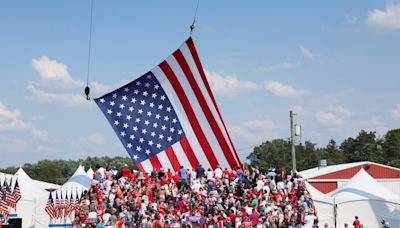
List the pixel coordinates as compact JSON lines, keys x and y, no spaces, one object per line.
{"x":309,"y":221}
{"x":281,"y":185}
{"x":218,"y":173}
{"x":210,"y":175}
{"x":196,"y":187}
{"x":106,"y":217}
{"x":102,"y":171}
{"x":249,"y":210}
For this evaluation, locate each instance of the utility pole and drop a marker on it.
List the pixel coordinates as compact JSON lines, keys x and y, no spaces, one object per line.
{"x":292,"y":142}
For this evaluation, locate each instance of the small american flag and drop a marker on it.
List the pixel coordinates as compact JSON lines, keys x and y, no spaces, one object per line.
{"x":10,"y":197}
{"x":168,"y":117}
{"x":68,"y":204}
{"x":3,"y":203}
{"x":57,"y":212}
{"x":76,"y":204}
{"x":50,"y":207}
{"x":61,"y":205}
{"x":17,"y":192}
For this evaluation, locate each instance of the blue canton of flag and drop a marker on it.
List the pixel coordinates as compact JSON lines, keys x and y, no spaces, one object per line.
{"x":143,"y":117}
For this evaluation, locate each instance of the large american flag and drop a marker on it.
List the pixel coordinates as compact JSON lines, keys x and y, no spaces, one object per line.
{"x":169,"y":118}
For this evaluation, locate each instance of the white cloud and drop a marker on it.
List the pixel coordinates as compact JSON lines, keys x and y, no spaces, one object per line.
{"x":328,"y":118}
{"x":341,"y":110}
{"x":388,"y":19}
{"x":228,"y":85}
{"x":57,"y":86}
{"x":307,"y":53}
{"x":40,"y":134}
{"x":396,"y":112}
{"x":282,"y":90}
{"x":96,"y":138}
{"x":68,"y":99}
{"x":351,"y":19}
{"x":98,"y":88}
{"x":11,"y":120}
{"x":51,"y":69}
{"x":280,"y":66}
{"x":55,"y":74}
{"x":264,"y":124}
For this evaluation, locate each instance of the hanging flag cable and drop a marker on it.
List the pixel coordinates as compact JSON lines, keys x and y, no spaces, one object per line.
{"x":194,"y":18}
{"x":87,"y":89}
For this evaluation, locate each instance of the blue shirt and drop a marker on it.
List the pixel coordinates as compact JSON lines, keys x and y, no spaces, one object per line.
{"x":183,"y":173}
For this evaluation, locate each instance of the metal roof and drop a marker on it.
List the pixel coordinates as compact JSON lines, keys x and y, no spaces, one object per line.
{"x":319,"y":171}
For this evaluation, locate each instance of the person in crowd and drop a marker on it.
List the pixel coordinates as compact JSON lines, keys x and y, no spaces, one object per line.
{"x":356,"y":222}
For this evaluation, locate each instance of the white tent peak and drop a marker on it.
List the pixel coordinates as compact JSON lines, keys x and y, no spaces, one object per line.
{"x":90,"y":173}
{"x":363,"y":186}
{"x":80,"y":170}
{"x":21,"y":174}
{"x":79,"y":180}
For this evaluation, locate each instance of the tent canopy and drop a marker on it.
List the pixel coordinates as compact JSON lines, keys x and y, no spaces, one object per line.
{"x":33,"y":201}
{"x":90,"y":173}
{"x":364,"y":197}
{"x":80,"y":179}
{"x":363,"y":186}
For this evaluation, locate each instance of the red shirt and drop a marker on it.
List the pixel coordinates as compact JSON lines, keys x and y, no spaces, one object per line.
{"x":233,"y":218}
{"x":126,"y":172}
{"x":176,"y":178}
{"x":254,"y":218}
{"x":356,"y":223}
{"x":133,"y":176}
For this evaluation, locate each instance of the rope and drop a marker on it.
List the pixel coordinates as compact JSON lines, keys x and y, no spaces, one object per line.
{"x":87,"y":90}
{"x":194,"y":18}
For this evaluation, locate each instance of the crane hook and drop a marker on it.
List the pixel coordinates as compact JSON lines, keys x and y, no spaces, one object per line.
{"x":87,"y":91}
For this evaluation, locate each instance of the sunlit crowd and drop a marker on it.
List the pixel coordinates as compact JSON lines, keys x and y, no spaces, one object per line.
{"x":243,"y":197}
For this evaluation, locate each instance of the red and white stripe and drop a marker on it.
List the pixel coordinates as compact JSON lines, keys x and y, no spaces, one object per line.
{"x":207,"y":141}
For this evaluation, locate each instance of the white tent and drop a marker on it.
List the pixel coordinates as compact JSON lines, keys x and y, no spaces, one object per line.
{"x":324,"y":206}
{"x":46,"y":185}
{"x":364,"y":197}
{"x":90,"y":173}
{"x":33,"y":201}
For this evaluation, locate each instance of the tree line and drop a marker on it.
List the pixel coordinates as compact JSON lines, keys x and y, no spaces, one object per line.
{"x":58,"y":171}
{"x":367,"y":146}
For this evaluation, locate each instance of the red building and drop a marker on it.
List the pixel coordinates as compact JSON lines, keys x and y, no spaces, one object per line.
{"x":329,"y":178}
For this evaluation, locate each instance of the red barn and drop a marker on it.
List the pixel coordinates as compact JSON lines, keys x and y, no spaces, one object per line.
{"x":329,"y":178}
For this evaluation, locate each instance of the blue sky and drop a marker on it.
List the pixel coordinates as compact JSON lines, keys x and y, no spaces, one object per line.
{"x":336,"y":64}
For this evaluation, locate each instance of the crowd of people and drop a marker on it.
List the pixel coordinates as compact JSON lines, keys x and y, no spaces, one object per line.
{"x":248,"y":197}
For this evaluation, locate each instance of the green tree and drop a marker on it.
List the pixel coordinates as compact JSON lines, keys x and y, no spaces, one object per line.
{"x":391,"y":145}
{"x":275,"y":153}
{"x":306,"y":155}
{"x":334,"y":154}
{"x":366,"y":147}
